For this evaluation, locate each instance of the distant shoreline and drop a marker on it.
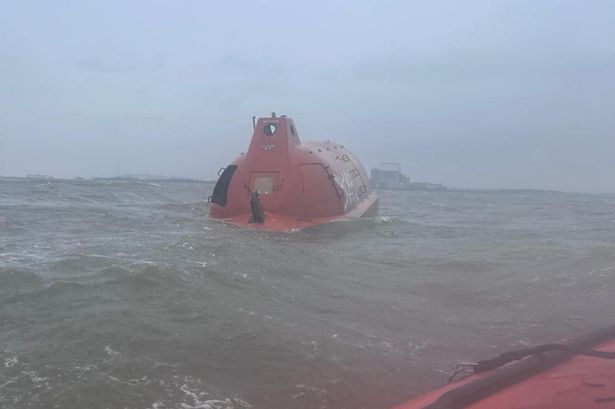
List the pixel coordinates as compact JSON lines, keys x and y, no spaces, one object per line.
{"x":486,"y":190}
{"x":120,"y":178}
{"x":418,"y":186}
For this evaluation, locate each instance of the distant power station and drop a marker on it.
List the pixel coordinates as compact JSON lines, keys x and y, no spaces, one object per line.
{"x":388,"y":176}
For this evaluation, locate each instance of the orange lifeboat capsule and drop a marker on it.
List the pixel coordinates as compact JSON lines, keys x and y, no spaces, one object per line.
{"x":282,"y":184}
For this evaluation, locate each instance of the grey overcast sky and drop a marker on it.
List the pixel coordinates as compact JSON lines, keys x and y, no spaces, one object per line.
{"x":512,"y":94}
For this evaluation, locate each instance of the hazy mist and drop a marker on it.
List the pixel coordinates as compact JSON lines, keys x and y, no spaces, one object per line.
{"x":511,"y":94}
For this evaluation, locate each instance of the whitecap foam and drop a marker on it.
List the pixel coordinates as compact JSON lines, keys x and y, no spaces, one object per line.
{"x":11,"y":362}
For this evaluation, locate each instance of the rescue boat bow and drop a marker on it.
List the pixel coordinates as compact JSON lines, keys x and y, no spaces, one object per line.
{"x":579,"y":374}
{"x":283,"y":184}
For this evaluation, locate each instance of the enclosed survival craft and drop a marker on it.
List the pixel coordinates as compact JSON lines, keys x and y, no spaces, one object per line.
{"x":579,"y":374}
{"x":283,"y":184}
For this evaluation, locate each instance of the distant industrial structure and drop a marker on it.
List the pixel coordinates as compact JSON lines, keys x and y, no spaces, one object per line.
{"x":388,"y":176}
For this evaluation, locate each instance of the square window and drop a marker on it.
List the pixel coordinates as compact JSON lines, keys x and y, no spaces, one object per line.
{"x":263,"y":184}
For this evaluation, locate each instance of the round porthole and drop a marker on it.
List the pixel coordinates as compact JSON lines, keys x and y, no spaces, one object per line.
{"x":269,"y":129}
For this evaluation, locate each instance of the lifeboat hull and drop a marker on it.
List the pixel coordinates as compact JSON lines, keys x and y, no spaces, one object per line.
{"x":282,"y":184}
{"x":556,"y":380}
{"x":281,"y":223}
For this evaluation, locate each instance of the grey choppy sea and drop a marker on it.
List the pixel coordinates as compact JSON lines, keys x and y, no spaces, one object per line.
{"x":124,"y":294}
